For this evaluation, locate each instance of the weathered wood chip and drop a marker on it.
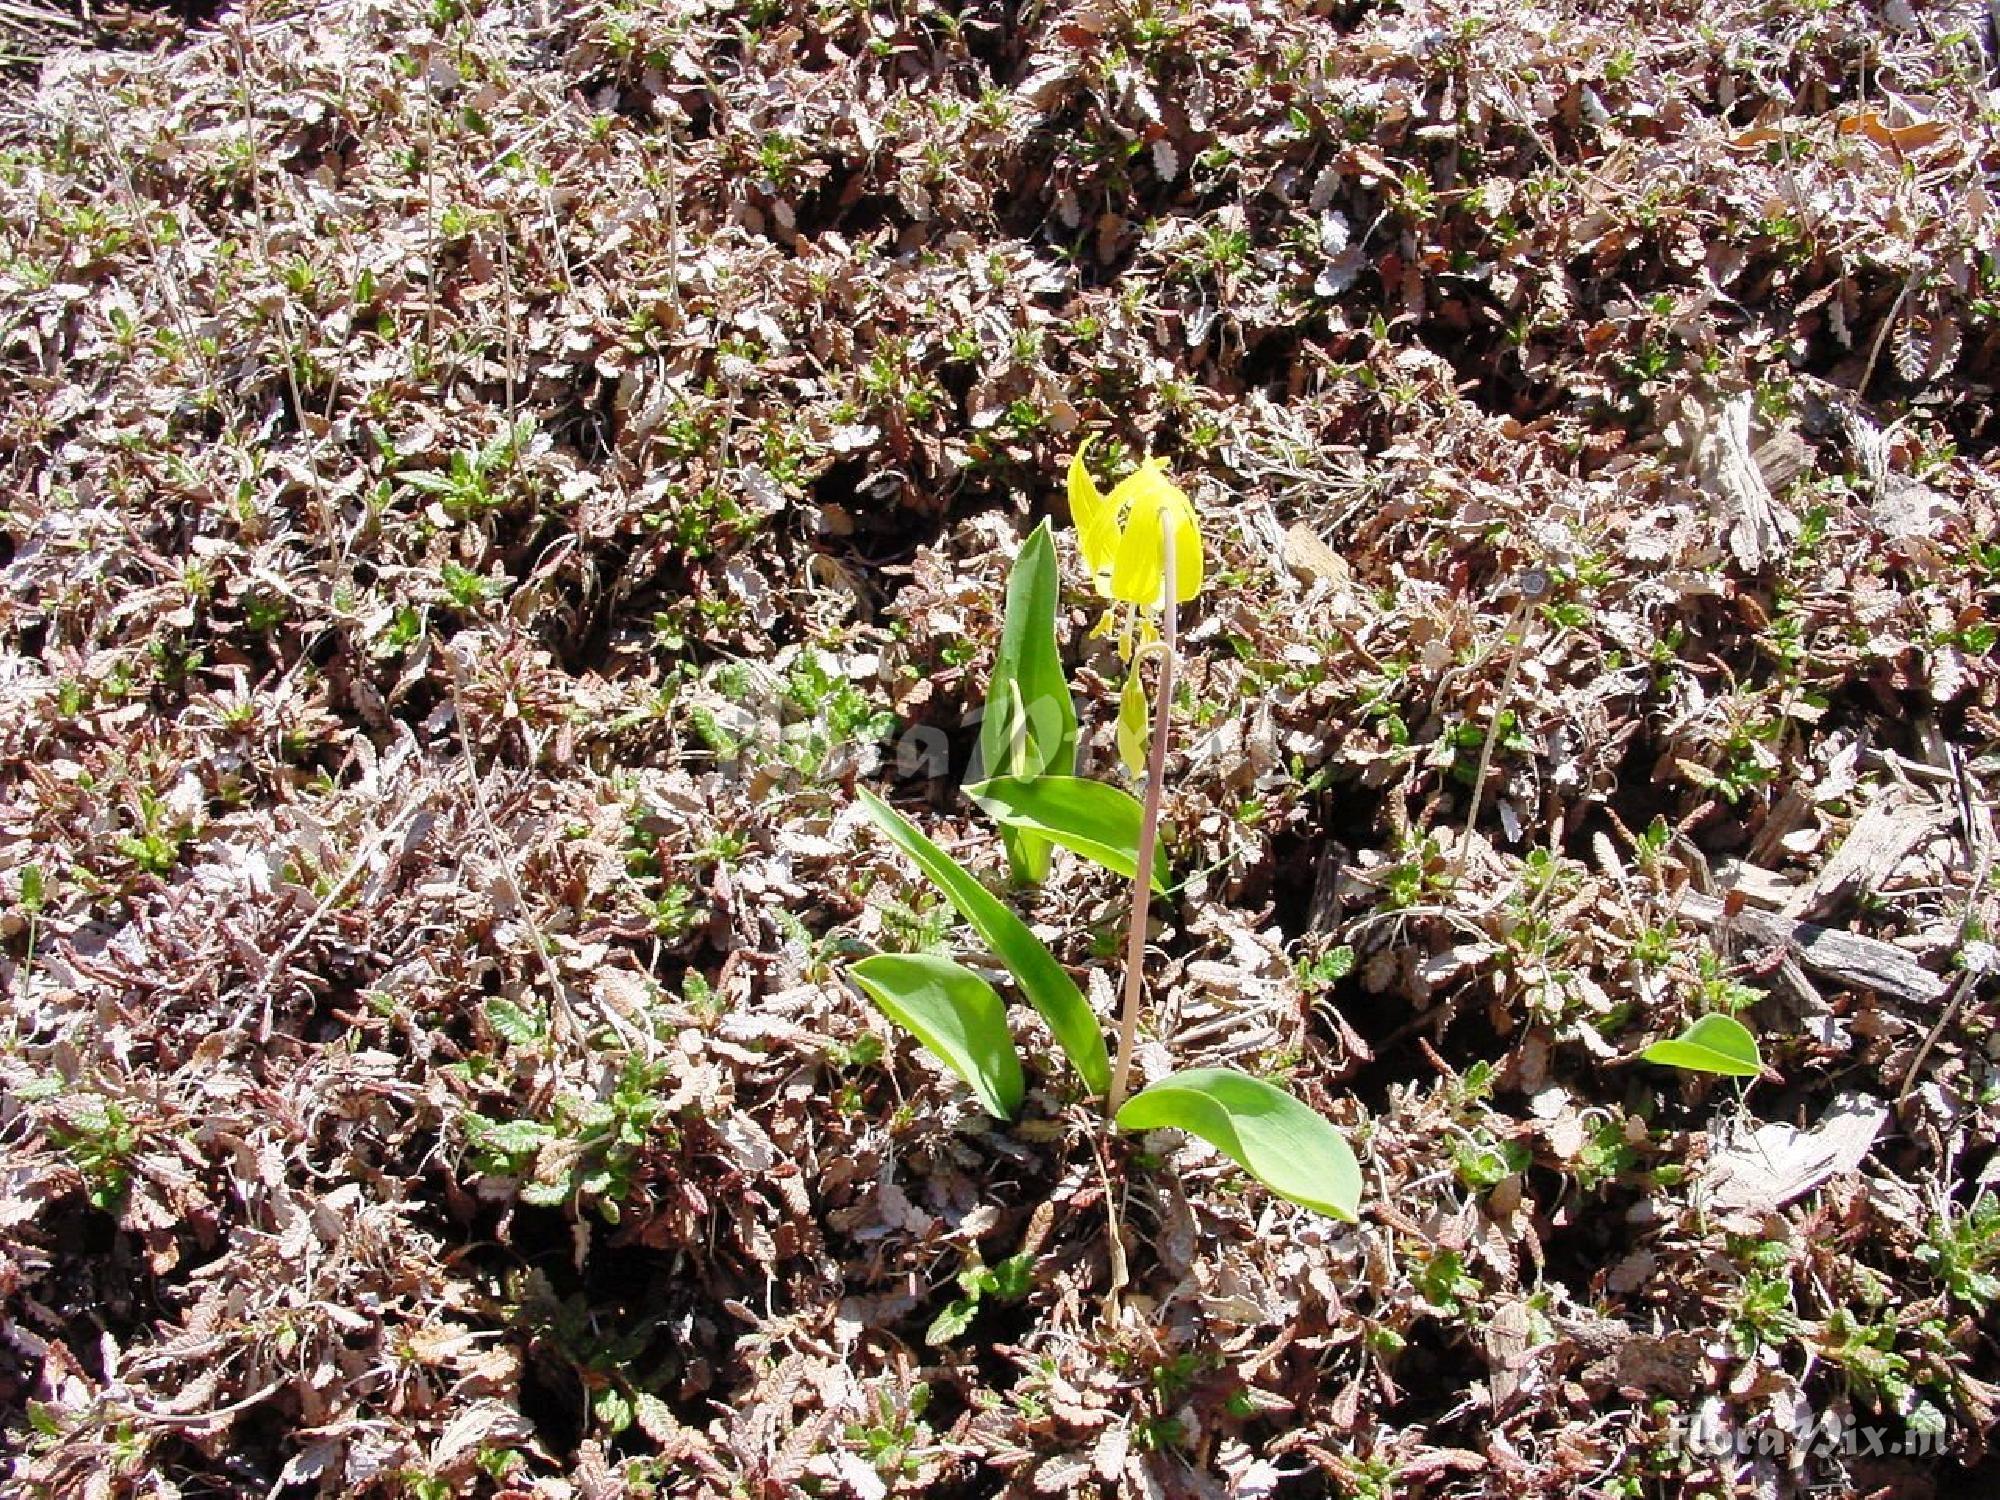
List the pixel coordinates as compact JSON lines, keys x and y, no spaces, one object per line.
{"x":1756,"y":529}
{"x":1778,"y":1163}
{"x":1309,"y":557}
{"x":1881,"y":839}
{"x":1864,"y":962}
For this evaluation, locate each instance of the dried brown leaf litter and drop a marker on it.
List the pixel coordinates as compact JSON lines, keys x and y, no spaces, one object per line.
{"x":483,"y":487}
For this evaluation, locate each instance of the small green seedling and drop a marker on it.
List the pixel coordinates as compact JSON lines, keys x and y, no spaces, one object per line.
{"x":1142,"y":548}
{"x":1009,"y":1281}
{"x":1712,"y":1044}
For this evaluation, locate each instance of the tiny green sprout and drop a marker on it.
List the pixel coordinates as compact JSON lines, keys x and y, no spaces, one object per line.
{"x":101,"y":1140}
{"x":1008,"y":1281}
{"x":1962,"y":1251}
{"x":1484,"y":1164}
{"x":1327,"y":968}
{"x":1444,"y":1282}
{"x":891,"y":1442}
{"x":1653,"y":946}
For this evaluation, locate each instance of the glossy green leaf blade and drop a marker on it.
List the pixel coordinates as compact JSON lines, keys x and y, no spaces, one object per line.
{"x":1713,"y":1044}
{"x":954,"y":1013}
{"x":1043,"y":981}
{"x":1291,"y":1149}
{"x":1029,"y":726}
{"x":1093,"y":818}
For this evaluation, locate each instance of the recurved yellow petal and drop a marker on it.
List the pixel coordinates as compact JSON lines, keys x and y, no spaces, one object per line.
{"x":1096,"y":522}
{"x":1187,"y":547}
{"x":1146,"y":486}
{"x":1146,"y":503}
{"x":1120,"y":535}
{"x":1138,"y":566}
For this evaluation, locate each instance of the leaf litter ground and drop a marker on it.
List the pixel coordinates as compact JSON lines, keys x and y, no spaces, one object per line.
{"x":484,"y":490}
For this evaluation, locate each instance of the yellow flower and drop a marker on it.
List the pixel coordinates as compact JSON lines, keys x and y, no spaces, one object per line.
{"x":1122,"y":535}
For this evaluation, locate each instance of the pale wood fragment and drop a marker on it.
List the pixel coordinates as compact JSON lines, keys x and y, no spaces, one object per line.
{"x":1863,"y":962}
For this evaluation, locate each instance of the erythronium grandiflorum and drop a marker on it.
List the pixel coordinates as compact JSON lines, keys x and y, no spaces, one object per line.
{"x":1168,"y":534}
{"x":1142,"y":547}
{"x":1130,"y":540}
{"x":1122,"y":534}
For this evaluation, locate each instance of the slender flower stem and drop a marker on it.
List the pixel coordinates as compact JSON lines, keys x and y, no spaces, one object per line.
{"x":1149,"y":832}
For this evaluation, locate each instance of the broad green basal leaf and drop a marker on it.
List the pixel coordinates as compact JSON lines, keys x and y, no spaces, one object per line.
{"x":1044,"y":982}
{"x":1713,"y":1044}
{"x":1288,"y":1147}
{"x":956,"y":1014}
{"x":1031,"y":719}
{"x":1092,"y":818}
{"x":1029,"y":728}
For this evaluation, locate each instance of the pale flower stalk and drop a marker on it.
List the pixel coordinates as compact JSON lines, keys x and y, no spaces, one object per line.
{"x":1141,"y":545}
{"x":1149,"y":834}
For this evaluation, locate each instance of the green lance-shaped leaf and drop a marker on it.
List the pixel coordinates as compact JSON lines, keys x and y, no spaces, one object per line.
{"x":1029,"y":727}
{"x":1044,"y":982}
{"x":1093,"y":818}
{"x":1288,"y":1147}
{"x":956,"y":1014}
{"x":1713,"y":1044}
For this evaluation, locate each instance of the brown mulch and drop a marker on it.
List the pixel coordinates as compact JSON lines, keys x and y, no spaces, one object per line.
{"x":484,"y":484}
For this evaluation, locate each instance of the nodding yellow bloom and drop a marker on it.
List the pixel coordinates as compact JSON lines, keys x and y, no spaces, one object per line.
{"x":1122,"y":535}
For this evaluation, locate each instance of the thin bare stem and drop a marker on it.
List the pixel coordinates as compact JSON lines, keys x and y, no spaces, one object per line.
{"x":507,"y":307}
{"x":1149,"y":832}
{"x":1517,"y":635}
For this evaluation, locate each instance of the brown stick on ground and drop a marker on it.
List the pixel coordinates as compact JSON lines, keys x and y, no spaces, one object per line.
{"x":1865,"y":962}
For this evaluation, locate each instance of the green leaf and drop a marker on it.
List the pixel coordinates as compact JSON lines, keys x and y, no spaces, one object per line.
{"x":953,"y":1321}
{"x":546,"y":1194}
{"x":613,"y":1410}
{"x":1289,"y":1148}
{"x":1013,"y":1278}
{"x":955,"y":1013}
{"x":1713,"y":1044}
{"x":514,"y":1138}
{"x":1044,"y":982}
{"x":514,"y":1023}
{"x":1093,"y":818}
{"x":1029,"y":727}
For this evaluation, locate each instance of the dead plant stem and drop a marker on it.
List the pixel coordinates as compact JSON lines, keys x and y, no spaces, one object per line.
{"x":1517,"y":628}
{"x":507,"y":312}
